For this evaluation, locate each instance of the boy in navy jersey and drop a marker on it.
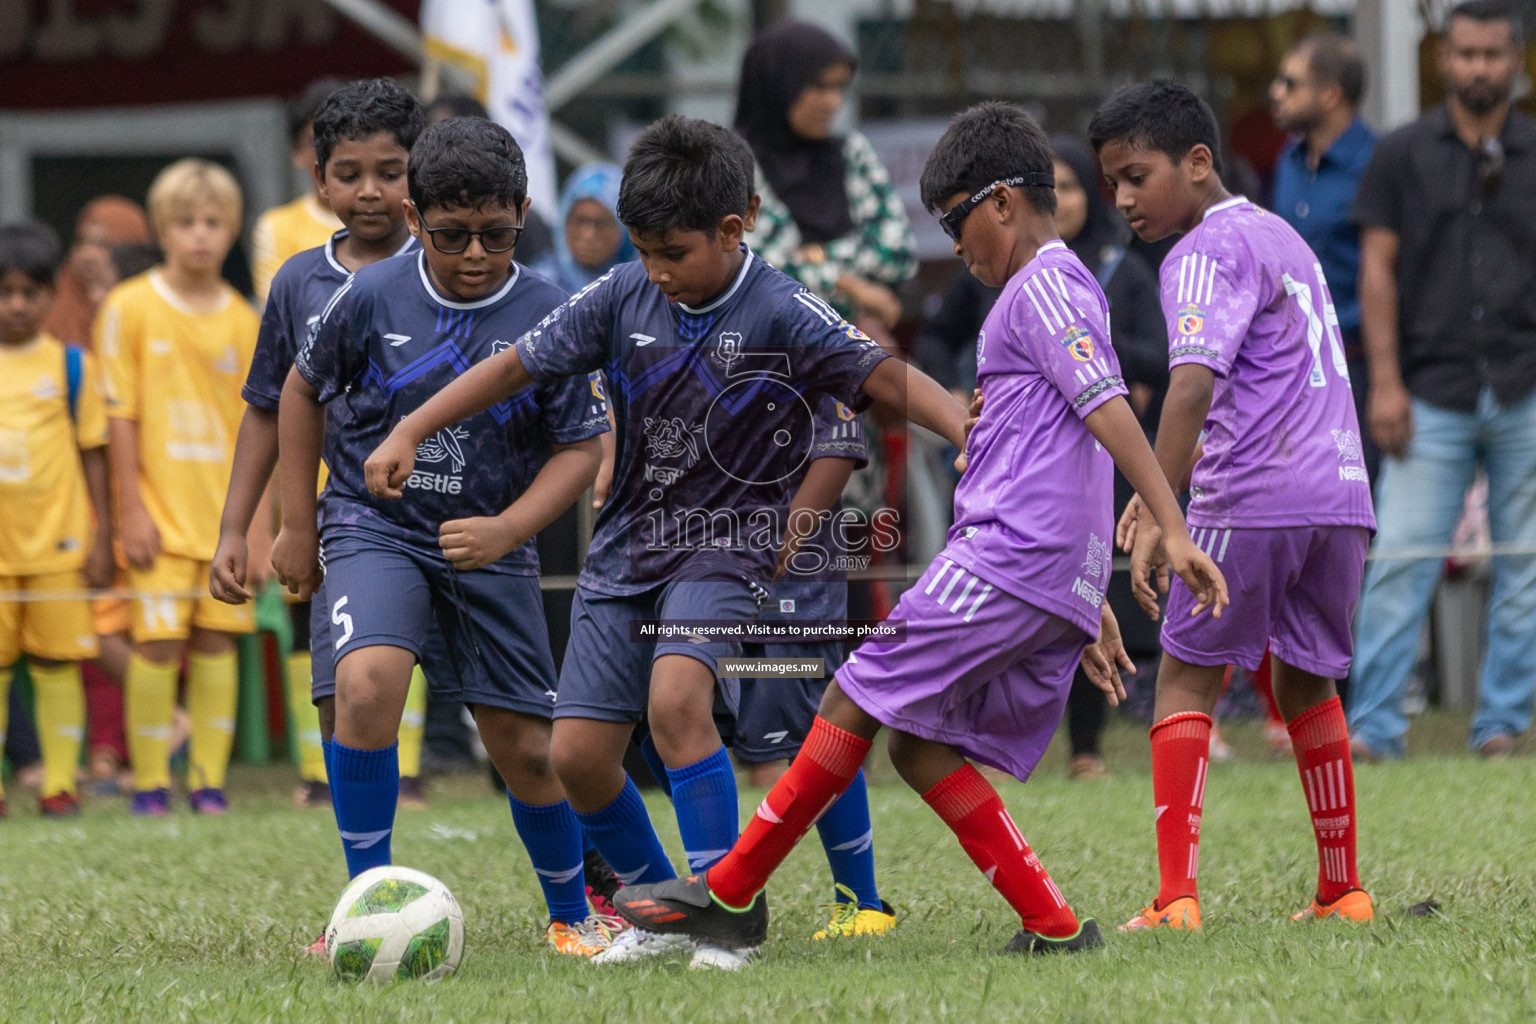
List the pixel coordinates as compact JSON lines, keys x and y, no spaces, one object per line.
{"x":998,"y":624}
{"x":714,"y":363}
{"x":392,"y":336}
{"x":363,"y":136}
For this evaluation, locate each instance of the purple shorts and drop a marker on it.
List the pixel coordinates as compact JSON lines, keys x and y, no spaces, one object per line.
{"x":1293,"y":589}
{"x":988,"y":674}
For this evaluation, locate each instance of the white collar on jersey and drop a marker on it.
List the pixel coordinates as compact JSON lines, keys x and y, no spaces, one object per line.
{"x":330,"y":250}
{"x":437,"y":297}
{"x":157,"y":282}
{"x":741,"y":275}
{"x":1054,"y":243}
{"x":1226,"y":204}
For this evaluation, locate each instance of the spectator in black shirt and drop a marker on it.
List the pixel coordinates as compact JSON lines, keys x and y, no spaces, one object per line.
{"x":1447,"y":209}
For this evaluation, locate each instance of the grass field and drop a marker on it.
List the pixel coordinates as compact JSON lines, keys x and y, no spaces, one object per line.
{"x":183,"y":919}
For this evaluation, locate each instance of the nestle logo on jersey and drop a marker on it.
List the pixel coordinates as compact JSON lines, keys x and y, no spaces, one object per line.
{"x":1087,"y":592}
{"x":1356,"y":474}
{"x":1078,"y":342}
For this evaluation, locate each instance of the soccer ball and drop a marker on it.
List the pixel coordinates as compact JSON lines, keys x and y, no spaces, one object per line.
{"x":393,"y":922}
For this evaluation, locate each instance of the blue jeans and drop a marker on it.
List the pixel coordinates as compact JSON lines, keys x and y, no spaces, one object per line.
{"x":1419,"y":499}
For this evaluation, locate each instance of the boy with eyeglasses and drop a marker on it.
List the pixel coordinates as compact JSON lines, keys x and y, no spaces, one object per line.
{"x":458,"y":548}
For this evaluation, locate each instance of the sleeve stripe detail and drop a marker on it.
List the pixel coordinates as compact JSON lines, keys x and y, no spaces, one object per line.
{"x":1096,"y":389}
{"x":1194,"y":350}
{"x":1037,"y":296}
{"x":1054,"y":276}
{"x":1197,"y":278}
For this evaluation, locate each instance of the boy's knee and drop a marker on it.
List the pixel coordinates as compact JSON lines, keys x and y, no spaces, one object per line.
{"x":519,"y":745}
{"x":158,"y":652}
{"x":588,"y":761}
{"x":210,"y":641}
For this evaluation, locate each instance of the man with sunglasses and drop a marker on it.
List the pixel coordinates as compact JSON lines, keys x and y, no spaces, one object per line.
{"x":1447,"y":210}
{"x":1316,"y":96}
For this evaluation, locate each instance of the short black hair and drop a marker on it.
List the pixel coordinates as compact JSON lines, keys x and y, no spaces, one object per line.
{"x":466,"y":163}
{"x":992,"y":141}
{"x":1158,"y":115}
{"x":1334,"y":59}
{"x":363,"y":108}
{"x":32,"y":248}
{"x":303,"y":107}
{"x":456,"y":104}
{"x":1490,"y":10}
{"x":684,"y":175}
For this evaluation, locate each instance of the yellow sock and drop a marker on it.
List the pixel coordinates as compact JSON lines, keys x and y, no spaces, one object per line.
{"x":212,"y":681}
{"x":306,"y":719}
{"x":148,"y":700}
{"x":5,"y":710}
{"x":411,"y":723}
{"x":60,"y":699}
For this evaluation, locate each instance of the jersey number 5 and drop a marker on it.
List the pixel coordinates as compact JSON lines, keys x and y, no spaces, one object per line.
{"x":342,"y":619}
{"x":1322,"y":321}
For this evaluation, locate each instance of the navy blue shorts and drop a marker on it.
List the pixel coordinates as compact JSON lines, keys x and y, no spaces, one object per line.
{"x":481,"y":636}
{"x":773,"y":715}
{"x":435,"y":663}
{"x":607,"y":676}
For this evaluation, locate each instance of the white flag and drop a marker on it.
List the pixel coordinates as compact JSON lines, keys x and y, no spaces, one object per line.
{"x":495,"y":43}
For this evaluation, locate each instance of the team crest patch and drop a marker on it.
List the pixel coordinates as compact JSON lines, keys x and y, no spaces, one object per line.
{"x":595,"y":383}
{"x":854,"y":333}
{"x":844,"y":413}
{"x":1078,"y":343}
{"x":1191,"y":320}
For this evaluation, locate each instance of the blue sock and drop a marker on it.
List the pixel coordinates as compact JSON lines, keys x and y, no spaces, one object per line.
{"x":365,"y":784}
{"x":623,"y":834}
{"x":330,"y":776}
{"x":657,"y":766}
{"x":849,"y":840}
{"x":704,"y":797}
{"x":553,"y":840}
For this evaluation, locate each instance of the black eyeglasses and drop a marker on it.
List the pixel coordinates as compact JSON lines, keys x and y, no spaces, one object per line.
{"x":952,"y":221}
{"x":1490,"y":165}
{"x":450,"y":241}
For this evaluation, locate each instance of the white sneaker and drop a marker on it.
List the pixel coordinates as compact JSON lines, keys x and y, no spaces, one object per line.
{"x":710,"y":957}
{"x":639,"y":944}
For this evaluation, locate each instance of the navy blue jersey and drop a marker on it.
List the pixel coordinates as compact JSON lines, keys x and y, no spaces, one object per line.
{"x":389,"y":341}
{"x":300,"y":289}
{"x":714,"y":413}
{"x":815,"y":584}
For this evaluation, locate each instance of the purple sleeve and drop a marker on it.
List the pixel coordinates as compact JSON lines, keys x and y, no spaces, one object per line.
{"x":275,"y":350}
{"x":336,"y":349}
{"x":1063,"y":325}
{"x":573,"y":407}
{"x":827,"y":352}
{"x":574,"y":338}
{"x":1209,"y":307}
{"x":839,"y":433}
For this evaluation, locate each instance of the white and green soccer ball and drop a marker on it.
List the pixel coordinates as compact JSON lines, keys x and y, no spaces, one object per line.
{"x":395,"y":923}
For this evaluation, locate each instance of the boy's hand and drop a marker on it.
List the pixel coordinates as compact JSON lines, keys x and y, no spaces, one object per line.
{"x":970,"y":424}
{"x":296,"y":561}
{"x":1199,"y":573}
{"x":100,"y":565}
{"x":1103,"y":659}
{"x":226,"y":574}
{"x":476,"y":543}
{"x":1125,"y":529}
{"x":389,"y":467}
{"x":141,"y":540}
{"x":1147,"y":557}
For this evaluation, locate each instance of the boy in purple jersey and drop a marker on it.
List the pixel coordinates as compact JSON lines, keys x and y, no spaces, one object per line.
{"x":457,"y":555}
{"x":713,"y":360}
{"x":997,"y":625}
{"x":1279,"y":496}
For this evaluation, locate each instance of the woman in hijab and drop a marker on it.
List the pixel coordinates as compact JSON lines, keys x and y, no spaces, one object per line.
{"x":830,"y":217}
{"x":591,"y":240}
{"x":88,"y":275}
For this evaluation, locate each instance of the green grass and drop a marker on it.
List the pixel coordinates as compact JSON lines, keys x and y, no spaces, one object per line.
{"x":109,"y":918}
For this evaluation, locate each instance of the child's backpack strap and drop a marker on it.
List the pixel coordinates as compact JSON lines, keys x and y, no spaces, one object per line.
{"x":74,"y":374}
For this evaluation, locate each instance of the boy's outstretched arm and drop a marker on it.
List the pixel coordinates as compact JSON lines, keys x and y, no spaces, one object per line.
{"x":300,"y":431}
{"x":100,"y":566}
{"x":486,"y":383}
{"x":249,"y":480}
{"x":1114,"y":425}
{"x":915,"y":396}
{"x":477,"y":542}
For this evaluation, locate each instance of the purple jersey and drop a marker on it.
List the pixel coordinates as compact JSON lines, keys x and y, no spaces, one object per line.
{"x":387,"y":342}
{"x":1034,"y":509}
{"x":714,"y":413}
{"x":1245,"y":297}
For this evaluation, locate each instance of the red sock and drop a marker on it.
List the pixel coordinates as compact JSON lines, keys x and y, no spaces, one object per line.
{"x":971,"y":807}
{"x":1181,"y":752}
{"x":825,"y":766}
{"x":1321,"y":741}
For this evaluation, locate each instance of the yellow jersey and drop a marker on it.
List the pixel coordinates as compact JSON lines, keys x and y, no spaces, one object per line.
{"x":177,"y":373}
{"x":45,"y":510}
{"x":285,"y":231}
